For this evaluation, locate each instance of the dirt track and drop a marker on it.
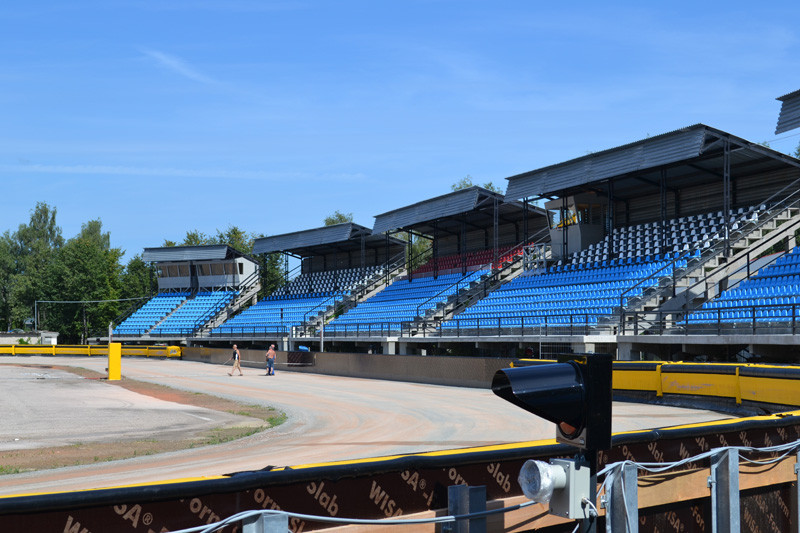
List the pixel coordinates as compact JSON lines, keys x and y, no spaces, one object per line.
{"x":329,"y":419}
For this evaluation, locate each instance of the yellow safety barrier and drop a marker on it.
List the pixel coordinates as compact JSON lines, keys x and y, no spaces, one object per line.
{"x":90,"y":350}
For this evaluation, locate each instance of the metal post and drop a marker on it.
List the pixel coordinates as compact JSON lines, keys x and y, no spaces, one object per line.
{"x":589,"y":457}
{"x":461,"y":500}
{"x":663,"y":188}
{"x":496,"y":224}
{"x":435,"y":249}
{"x":724,"y":484}
{"x":796,"y":516}
{"x":726,"y":192}
{"x":564,"y":228}
{"x":266,"y":523}
{"x":525,"y":220}
{"x":622,"y":501}
{"x":613,"y":249}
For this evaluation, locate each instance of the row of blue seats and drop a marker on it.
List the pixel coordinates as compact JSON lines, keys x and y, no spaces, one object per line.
{"x":777,"y":284}
{"x":401,"y":300}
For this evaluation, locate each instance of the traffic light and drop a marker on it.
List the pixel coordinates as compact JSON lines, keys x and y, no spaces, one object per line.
{"x":574,"y":394}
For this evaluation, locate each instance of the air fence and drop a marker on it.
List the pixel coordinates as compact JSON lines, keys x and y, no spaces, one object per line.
{"x":728,"y":475}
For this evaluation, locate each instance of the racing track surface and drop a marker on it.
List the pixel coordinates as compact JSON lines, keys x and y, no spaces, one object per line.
{"x":329,"y":419}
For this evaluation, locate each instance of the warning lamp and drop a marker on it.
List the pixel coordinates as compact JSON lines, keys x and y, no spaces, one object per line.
{"x":574,"y":394}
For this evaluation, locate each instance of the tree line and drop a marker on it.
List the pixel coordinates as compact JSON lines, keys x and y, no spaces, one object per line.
{"x":77,"y":286}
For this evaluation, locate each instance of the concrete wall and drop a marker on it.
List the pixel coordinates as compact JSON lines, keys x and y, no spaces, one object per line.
{"x":454,"y":371}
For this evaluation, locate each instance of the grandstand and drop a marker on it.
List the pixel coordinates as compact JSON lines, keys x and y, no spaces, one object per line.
{"x":337,"y":263}
{"x":402,"y":301}
{"x":628,"y":249}
{"x":575,"y":297}
{"x":638,"y":238}
{"x":197,"y":285}
{"x":473,"y":234}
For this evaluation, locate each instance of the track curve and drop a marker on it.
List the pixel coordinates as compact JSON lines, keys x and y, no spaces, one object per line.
{"x":329,"y":419}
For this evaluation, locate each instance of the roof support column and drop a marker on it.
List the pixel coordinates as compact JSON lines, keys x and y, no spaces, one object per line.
{"x":663,"y":190}
{"x":462,"y":242}
{"x":525,"y":219}
{"x":387,"y":259}
{"x":564,"y":228}
{"x":496,"y":226}
{"x":726,"y":192}
{"x":612,"y":251}
{"x":435,"y":249}
{"x":286,"y":269}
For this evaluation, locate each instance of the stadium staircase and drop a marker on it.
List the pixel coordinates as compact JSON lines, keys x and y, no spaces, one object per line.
{"x":511,"y":265}
{"x":248,"y":295}
{"x":331,"y":308}
{"x":675,"y":290}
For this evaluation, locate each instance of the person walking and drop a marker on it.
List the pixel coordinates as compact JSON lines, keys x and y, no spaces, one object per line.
{"x":236,"y":364}
{"x":271,"y":360}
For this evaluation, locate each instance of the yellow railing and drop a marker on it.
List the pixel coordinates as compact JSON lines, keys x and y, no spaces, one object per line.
{"x":762,"y":383}
{"x":100,"y":349}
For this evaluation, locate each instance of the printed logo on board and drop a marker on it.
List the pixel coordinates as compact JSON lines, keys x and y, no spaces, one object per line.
{"x":325,"y":500}
{"x":383,"y":501}
{"x":504,"y":480}
{"x":418,"y":484}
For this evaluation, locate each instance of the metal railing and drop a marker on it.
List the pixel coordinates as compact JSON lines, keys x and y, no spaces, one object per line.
{"x":363,"y":329}
{"x":740,"y":320}
{"x":249,"y":332}
{"x":717,"y":244}
{"x":454,"y":289}
{"x":538,"y":324}
{"x":395,"y":263}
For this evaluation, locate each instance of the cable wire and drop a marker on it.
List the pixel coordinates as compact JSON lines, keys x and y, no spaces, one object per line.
{"x":360,"y":521}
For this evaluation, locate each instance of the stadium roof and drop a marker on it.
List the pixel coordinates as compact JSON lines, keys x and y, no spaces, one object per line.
{"x":191,"y":253}
{"x":689,"y":156}
{"x":473,"y":206}
{"x":789,"y":117}
{"x":321,"y":241}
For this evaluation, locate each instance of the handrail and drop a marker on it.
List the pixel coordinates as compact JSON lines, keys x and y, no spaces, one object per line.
{"x":394,"y":263}
{"x":772,"y":237}
{"x":248,"y":282}
{"x":687,"y":326}
{"x":722,"y":238}
{"x":438,"y":294}
{"x":493,"y":269}
{"x":527,"y":242}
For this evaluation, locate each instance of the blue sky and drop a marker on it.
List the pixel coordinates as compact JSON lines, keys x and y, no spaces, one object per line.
{"x":163,"y":117}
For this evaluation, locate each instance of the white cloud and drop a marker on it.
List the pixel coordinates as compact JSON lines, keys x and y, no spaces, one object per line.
{"x":178,"y":66}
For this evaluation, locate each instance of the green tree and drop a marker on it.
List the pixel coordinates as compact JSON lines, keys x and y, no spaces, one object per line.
{"x":338,"y":218}
{"x":196,"y":238}
{"x":7,"y":271}
{"x":236,"y":238}
{"x":139,"y":279}
{"x":85,"y":268}
{"x":466,"y":183}
{"x":797,"y":152}
{"x":33,"y":247}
